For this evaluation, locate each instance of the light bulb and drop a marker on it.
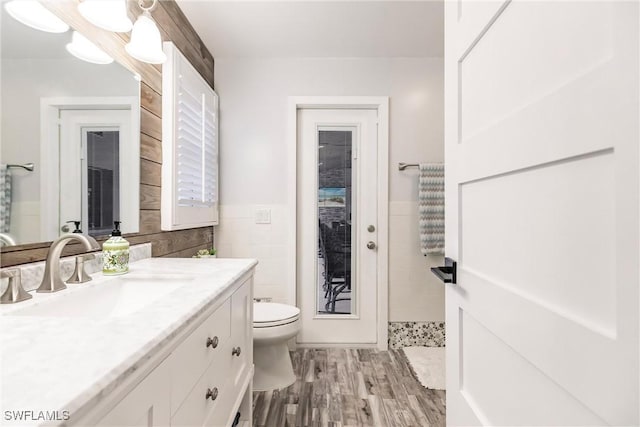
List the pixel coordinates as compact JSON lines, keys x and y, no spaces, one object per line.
{"x":110,"y":15}
{"x":33,"y":14}
{"x":82,"y":48}
{"x":146,"y":42}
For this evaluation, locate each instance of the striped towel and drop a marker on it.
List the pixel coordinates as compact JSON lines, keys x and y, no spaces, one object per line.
{"x":5,"y":198}
{"x":431,"y":208}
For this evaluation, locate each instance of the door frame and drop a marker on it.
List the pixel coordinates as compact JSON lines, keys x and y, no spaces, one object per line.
{"x":381,"y":105}
{"x":50,"y":108}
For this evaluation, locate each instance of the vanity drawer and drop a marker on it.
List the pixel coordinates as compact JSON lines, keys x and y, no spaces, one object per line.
{"x":199,"y":407}
{"x":205,"y":345}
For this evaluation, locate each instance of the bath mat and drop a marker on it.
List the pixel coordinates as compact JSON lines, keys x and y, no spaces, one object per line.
{"x":428,"y":364}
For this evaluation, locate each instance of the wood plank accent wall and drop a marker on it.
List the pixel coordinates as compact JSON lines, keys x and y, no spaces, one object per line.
{"x":173,"y":26}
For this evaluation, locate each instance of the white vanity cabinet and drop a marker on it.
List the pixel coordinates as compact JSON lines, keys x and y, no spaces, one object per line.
{"x":205,"y":378}
{"x":227,"y":374}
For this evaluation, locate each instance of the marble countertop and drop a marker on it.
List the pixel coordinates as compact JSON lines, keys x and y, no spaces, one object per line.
{"x":71,"y":363}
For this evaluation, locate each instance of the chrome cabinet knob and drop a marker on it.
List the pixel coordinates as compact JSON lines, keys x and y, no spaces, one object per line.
{"x":212,"y":342}
{"x":235,"y":351}
{"x":212,"y":394}
{"x":371,"y":245}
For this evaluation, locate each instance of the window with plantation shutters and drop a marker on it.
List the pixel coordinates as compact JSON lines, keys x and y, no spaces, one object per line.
{"x":189,"y":145}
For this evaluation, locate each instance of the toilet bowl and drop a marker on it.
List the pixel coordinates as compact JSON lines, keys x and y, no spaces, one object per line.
{"x":273,"y":325}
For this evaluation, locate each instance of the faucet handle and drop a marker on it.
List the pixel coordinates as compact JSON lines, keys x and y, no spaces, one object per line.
{"x":79,"y":275}
{"x":14,"y":292}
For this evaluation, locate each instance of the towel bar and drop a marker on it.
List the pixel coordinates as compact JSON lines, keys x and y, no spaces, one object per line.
{"x":402,"y":166}
{"x":27,"y":166}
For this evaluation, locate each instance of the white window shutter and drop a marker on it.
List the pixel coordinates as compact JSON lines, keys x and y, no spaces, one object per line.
{"x":189,"y":146}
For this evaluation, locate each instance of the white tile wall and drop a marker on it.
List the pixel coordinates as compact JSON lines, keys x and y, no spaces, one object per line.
{"x":25,"y":221}
{"x":238,"y":236}
{"x":415,"y":294}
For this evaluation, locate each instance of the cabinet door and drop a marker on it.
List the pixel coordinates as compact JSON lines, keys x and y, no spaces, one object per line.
{"x":189,"y":145}
{"x":241,"y":332}
{"x":148,"y":404}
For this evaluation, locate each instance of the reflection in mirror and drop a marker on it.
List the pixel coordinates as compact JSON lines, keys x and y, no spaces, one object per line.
{"x":103,"y":189}
{"x":78,"y":122}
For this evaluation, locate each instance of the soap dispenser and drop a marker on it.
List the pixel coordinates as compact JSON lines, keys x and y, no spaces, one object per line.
{"x":76,"y":224}
{"x":115,"y":253}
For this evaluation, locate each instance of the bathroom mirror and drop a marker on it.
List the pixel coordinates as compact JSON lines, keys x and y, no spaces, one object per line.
{"x":78,"y":124}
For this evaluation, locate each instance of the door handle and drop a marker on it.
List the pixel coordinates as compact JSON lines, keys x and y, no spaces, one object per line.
{"x":371,"y":245}
{"x":448,"y":272}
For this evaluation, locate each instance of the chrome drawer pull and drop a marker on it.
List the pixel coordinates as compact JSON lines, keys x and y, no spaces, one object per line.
{"x":212,"y":394}
{"x":235,"y":351}
{"x":213,"y":343}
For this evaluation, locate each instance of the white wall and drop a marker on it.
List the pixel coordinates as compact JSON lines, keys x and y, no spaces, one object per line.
{"x":24,"y":82}
{"x":253,"y":124}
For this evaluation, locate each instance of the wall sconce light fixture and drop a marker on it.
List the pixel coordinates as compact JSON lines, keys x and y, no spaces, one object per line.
{"x":110,"y":15}
{"x":33,"y":14}
{"x":146,"y":42}
{"x":82,"y":48}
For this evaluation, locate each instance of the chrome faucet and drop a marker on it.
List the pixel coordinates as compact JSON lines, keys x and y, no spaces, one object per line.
{"x":52,"y":282}
{"x":7,"y":239}
{"x":14,"y":292}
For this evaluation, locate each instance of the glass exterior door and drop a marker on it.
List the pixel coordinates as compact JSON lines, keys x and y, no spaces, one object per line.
{"x":336,"y":270}
{"x":337,"y":208}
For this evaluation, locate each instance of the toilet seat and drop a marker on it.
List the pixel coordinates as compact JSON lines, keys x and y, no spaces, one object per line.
{"x":270,"y":314}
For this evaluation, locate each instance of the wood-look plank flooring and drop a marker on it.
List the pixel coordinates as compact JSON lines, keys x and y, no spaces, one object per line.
{"x":350,"y":387}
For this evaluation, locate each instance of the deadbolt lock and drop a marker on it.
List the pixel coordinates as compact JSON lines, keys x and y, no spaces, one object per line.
{"x":371,"y":228}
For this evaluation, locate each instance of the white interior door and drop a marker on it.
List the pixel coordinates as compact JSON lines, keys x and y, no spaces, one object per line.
{"x":98,"y":165}
{"x":542,"y":212}
{"x":337,"y":224}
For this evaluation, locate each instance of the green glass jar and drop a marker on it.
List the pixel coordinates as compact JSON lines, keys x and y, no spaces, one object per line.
{"x":115,"y":253}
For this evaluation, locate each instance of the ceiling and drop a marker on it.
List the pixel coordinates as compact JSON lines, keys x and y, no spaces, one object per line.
{"x":306,"y":29}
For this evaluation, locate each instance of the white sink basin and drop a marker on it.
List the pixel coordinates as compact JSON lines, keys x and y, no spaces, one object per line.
{"x":116,"y":297}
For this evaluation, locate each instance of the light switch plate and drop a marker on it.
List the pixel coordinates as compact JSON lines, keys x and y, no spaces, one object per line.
{"x":263,"y":216}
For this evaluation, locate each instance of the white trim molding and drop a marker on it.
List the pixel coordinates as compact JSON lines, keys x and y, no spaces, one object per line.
{"x":381,"y":104}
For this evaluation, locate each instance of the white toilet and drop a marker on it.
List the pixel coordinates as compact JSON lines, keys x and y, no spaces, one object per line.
{"x":273,"y":325}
